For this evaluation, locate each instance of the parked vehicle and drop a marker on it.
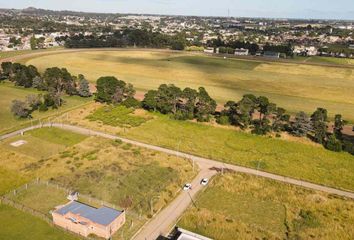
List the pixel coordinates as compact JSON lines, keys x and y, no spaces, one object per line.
{"x":187,"y":186}
{"x":204,"y":181}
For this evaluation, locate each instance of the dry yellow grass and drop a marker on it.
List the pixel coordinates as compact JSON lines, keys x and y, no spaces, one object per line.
{"x":293,"y":86}
{"x":237,"y":206}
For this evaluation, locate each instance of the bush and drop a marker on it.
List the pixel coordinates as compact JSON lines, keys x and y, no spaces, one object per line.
{"x":43,"y":107}
{"x":223,"y":120}
{"x":131,"y":103}
{"x":348,"y":147}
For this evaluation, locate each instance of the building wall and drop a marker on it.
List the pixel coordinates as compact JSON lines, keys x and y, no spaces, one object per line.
{"x":91,"y":227}
{"x":65,"y":223}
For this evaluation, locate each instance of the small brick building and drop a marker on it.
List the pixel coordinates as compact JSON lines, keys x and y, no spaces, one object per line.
{"x":85,"y":220}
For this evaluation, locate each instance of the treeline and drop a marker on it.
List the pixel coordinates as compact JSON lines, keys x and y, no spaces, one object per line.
{"x":230,"y":46}
{"x":258,"y":114}
{"x":127,"y":37}
{"x":55,"y":82}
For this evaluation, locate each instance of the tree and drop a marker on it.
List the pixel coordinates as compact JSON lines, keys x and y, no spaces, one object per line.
{"x":205,"y":106}
{"x":6,"y":68}
{"x":319,"y":118}
{"x":280,"y":120}
{"x":39,"y":83}
{"x":150,"y":100}
{"x":320,"y":129}
{"x":302,"y":125}
{"x":334,"y":144}
{"x":34,"y":101}
{"x":84,"y":87}
{"x":59,"y":80}
{"x":20,"y":109}
{"x":339,"y":123}
{"x":178,"y":44}
{"x":319,"y":115}
{"x":112,"y":90}
{"x":33,"y":43}
{"x":168,"y":97}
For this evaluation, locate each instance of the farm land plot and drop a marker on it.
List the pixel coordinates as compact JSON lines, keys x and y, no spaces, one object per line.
{"x":237,"y":206}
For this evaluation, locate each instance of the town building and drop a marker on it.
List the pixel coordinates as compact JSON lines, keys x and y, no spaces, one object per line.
{"x":270,"y":54}
{"x":241,"y":52}
{"x":85,"y":220}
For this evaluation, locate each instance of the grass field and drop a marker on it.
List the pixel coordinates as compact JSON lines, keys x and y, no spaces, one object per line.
{"x":50,"y":140}
{"x":11,"y":54}
{"x":325,"y":60}
{"x":293,"y":157}
{"x":236,"y":206}
{"x":8,"y":93}
{"x":292,"y":86}
{"x":19,"y":225}
{"x":121,"y":174}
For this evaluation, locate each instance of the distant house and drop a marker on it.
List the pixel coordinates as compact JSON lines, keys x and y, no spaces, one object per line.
{"x":182,"y":234}
{"x":241,"y":52}
{"x":270,"y":54}
{"x":85,"y":220}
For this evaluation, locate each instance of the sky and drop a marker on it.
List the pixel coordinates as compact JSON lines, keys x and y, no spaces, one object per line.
{"x":314,"y":9}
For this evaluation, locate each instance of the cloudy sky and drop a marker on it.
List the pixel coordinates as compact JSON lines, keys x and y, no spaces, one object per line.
{"x":339,"y":9}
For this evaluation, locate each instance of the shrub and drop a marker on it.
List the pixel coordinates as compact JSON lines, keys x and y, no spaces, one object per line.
{"x":43,"y":107}
{"x":131,"y":103}
{"x":223,"y":120}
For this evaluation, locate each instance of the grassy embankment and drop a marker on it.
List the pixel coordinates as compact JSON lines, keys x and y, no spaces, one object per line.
{"x":236,"y":206}
{"x":291,"y":85}
{"x":296,"y":157}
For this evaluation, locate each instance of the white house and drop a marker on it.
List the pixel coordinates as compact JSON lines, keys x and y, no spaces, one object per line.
{"x":241,"y":52}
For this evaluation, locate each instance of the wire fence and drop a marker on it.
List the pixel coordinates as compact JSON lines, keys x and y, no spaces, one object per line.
{"x":6,"y":201}
{"x":38,"y":182}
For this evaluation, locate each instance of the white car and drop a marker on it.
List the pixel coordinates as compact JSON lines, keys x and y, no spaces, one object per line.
{"x":187,"y":186}
{"x":204,"y":181}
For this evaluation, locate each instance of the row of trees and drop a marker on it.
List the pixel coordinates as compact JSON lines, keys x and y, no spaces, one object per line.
{"x":128,"y":37}
{"x":251,"y":112}
{"x":55,"y":81}
{"x":182,"y":104}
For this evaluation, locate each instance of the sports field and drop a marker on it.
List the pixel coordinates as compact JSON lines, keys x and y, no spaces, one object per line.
{"x":292,"y":86}
{"x":237,"y":206}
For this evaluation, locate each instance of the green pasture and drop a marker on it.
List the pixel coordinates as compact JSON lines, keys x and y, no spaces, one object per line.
{"x":9,"y":92}
{"x":236,"y":206}
{"x":117,"y":116}
{"x":19,"y":225}
{"x":43,"y":143}
{"x":293,"y":86}
{"x":288,"y":158}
